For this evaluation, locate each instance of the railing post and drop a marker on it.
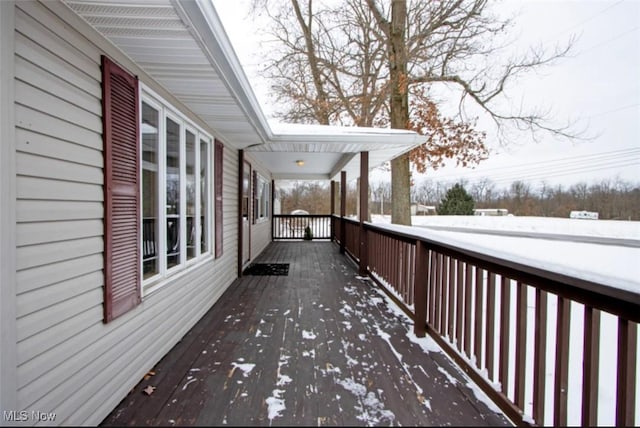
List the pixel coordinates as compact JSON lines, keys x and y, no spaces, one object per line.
{"x":421,"y":279}
{"x":343,"y":208}
{"x":273,"y":211}
{"x":364,"y":211}
{"x":626,"y":373}
{"x":333,"y":209}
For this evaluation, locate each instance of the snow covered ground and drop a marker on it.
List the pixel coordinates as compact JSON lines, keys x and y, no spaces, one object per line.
{"x":617,"y":266}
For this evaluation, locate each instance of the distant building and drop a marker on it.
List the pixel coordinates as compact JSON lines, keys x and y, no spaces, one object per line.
{"x":589,"y":215}
{"x":491,"y":211}
{"x":419,"y":209}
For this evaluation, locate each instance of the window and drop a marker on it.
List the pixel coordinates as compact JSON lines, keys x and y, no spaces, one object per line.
{"x":150,"y":181}
{"x":176,"y":183}
{"x":157,"y":192}
{"x":262,"y":198}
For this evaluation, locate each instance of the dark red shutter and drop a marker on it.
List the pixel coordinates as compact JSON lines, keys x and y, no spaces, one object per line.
{"x":218,"y":162}
{"x":121,"y":190}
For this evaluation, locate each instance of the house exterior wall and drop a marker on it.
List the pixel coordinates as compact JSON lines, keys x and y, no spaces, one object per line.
{"x":261,"y":229}
{"x":67,"y":360}
{"x":7,"y":216}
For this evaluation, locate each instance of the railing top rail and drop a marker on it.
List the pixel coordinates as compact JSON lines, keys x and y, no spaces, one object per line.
{"x":302,"y":215}
{"x":611,"y":294}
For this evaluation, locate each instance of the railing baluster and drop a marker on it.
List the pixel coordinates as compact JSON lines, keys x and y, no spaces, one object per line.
{"x":444,"y":280}
{"x":468,"y":283}
{"x":421,"y":278}
{"x":432,"y":288}
{"x":459,"y":303}
{"x":505,"y":313}
{"x":491,"y":325}
{"x":590,"y":366}
{"x":539,"y":356}
{"x":477,"y":338}
{"x":439,"y":273}
{"x":562,"y":362}
{"x":452,"y":302}
{"x":626,"y":383}
{"x":521,"y":344}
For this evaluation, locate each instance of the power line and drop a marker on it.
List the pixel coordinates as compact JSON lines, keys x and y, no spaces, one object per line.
{"x":584,"y":21}
{"x":606,"y":42}
{"x":615,"y":110}
{"x":570,"y":159}
{"x":554,"y":168}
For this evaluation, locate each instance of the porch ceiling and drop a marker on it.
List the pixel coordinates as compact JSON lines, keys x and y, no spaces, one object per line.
{"x":183,"y":46}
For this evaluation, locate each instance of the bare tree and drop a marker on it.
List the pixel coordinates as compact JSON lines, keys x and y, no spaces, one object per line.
{"x":359,"y":62}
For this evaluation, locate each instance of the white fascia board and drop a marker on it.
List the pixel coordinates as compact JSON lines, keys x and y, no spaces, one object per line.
{"x":207,"y":28}
{"x":291,"y":176}
{"x":294,"y":132}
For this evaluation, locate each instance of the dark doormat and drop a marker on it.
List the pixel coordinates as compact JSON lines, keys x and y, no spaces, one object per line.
{"x":278,"y":269}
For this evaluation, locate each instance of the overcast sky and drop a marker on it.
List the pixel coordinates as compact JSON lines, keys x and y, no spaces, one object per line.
{"x":598,"y":86}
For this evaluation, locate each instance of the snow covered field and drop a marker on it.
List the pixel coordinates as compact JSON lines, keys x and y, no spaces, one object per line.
{"x":617,"y":266}
{"x":565,"y":226}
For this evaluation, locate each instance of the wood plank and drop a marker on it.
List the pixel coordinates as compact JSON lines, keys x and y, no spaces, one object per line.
{"x":563,"y":320}
{"x":505,"y":329}
{"x":626,"y":372}
{"x":319,"y":340}
{"x":540,"y":356}
{"x":479,"y":310}
{"x":491,"y":326}
{"x":590,"y":366}
{"x":521,"y":344}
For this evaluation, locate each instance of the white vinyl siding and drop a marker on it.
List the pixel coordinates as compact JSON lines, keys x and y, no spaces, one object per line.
{"x":69,"y":361}
{"x":261,"y":230}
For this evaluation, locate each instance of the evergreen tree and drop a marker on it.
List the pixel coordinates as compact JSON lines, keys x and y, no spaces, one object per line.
{"x":456,"y":202}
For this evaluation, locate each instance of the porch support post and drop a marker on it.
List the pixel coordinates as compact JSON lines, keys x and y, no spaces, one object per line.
{"x":343,"y":207}
{"x":273,"y":210}
{"x":333,"y":209}
{"x":240,"y":190}
{"x":364,"y":211}
{"x":333,"y":197}
{"x":420,"y":289}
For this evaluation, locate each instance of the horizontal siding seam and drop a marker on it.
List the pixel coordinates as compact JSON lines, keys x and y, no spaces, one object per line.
{"x":61,"y":119}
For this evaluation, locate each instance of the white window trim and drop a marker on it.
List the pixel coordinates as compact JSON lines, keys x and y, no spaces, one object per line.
{"x":208,"y":215}
{"x":261,"y":201}
{"x":166,"y":275}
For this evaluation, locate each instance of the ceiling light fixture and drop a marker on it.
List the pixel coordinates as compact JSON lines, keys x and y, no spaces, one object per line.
{"x":300,"y":162}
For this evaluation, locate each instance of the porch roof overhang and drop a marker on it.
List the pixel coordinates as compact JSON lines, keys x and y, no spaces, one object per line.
{"x":183,"y":46}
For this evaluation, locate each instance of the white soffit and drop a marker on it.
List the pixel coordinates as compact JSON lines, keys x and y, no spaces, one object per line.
{"x":183,"y":45}
{"x":176,"y":44}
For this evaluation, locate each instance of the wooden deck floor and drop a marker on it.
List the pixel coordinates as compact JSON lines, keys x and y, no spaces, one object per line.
{"x":317,"y":347}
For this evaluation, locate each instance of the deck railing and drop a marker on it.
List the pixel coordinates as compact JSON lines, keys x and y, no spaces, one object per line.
{"x":514,"y":328}
{"x":292,"y":226}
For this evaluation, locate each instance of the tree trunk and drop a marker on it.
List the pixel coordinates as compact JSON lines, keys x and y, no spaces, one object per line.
{"x":400,"y":186}
{"x":400,"y":174}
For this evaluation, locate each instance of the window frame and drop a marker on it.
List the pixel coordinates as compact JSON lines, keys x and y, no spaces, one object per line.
{"x":166,"y":110}
{"x":262,"y":199}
